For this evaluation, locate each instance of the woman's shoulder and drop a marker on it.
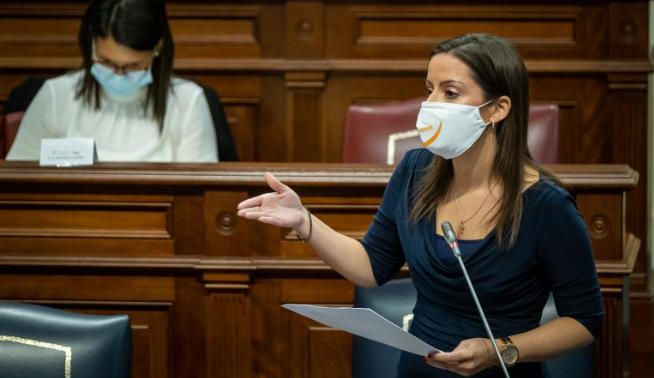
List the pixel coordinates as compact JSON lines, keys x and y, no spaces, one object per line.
{"x":550,"y":193}
{"x":63,"y":84}
{"x":417,"y":158}
{"x":185,"y":89}
{"x":65,"y":81}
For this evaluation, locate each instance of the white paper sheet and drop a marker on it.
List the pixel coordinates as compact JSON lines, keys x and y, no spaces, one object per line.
{"x":366,"y":323}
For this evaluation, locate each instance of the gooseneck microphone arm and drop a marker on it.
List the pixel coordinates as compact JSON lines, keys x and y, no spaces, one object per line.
{"x":450,"y":238}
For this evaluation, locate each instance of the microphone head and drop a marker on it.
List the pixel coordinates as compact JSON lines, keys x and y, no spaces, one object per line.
{"x":448,"y":232}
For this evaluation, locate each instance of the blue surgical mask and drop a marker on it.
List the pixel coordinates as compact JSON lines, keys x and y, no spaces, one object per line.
{"x":121,"y":85}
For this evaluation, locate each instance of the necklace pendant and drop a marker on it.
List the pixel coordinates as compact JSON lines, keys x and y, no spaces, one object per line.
{"x":461,"y":229}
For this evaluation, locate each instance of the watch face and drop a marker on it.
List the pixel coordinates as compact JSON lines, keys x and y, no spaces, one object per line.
{"x":510,"y":354}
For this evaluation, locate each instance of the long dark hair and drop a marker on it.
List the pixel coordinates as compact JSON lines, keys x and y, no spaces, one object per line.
{"x":498,"y":69}
{"x":139,"y":25}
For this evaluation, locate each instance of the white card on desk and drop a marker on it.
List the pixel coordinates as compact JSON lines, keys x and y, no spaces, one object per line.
{"x":366,"y":323}
{"x":67,"y":152}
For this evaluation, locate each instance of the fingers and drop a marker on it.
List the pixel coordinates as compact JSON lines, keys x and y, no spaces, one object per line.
{"x":257,"y":214}
{"x":453,"y":357}
{"x":251,"y":202}
{"x":275,"y":184}
{"x":467,"y":359}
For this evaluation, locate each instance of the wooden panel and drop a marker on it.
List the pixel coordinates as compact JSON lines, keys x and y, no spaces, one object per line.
{"x":150,"y":335}
{"x":316,"y":350}
{"x":305,"y":290}
{"x":628,"y":98}
{"x":85,"y":220}
{"x":330,"y":353}
{"x":627,"y":25}
{"x":229,"y":335}
{"x":59,"y":224}
{"x":190,"y":344}
{"x":305,"y":30}
{"x":59,"y":286}
{"x":224,"y":238}
{"x":303,"y":101}
{"x":215,"y":31}
{"x":600,"y":212}
{"x":417,"y":29}
{"x":410,"y":30}
{"x":52,"y":35}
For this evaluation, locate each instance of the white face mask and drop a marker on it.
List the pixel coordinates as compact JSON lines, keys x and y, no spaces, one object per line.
{"x":448,"y":130}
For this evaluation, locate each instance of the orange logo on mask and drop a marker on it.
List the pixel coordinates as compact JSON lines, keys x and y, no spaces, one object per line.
{"x":434,"y":137}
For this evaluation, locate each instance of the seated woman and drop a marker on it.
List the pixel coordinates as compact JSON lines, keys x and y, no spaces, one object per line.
{"x":125,"y":97}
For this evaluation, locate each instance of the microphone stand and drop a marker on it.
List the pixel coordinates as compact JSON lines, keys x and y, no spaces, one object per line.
{"x":450,"y":238}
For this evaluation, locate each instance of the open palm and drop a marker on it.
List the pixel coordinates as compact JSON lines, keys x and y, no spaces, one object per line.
{"x":281,"y":208}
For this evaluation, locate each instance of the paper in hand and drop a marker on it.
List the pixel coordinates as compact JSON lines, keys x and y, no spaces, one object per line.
{"x":366,"y":323}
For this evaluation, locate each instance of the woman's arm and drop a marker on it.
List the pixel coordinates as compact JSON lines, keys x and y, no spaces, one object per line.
{"x":37,"y":124}
{"x":472,"y":356}
{"x":283,"y":208}
{"x":551,"y":339}
{"x":197,"y":139}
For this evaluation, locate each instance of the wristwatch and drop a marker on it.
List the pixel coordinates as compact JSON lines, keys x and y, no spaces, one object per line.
{"x":510,"y":352}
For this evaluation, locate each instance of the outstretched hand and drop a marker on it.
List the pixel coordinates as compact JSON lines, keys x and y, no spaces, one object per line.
{"x":282,"y":207}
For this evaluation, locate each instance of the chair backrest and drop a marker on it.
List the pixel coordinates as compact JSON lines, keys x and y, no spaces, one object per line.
{"x":37,"y":341}
{"x":11,"y":124}
{"x":3,"y":151}
{"x":226,"y":147}
{"x":395,"y":301}
{"x":576,"y":363}
{"x":369,"y":128}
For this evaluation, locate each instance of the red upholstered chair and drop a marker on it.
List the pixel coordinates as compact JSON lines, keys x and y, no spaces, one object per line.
{"x":3,"y":153}
{"x":382,"y":133}
{"x":9,"y":128}
{"x":543,"y":133}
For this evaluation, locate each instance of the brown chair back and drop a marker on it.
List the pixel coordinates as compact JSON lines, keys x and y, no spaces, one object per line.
{"x":9,"y":129}
{"x":383,"y":133}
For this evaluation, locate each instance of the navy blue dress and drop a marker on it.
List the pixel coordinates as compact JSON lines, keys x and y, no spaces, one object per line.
{"x":552,"y":254}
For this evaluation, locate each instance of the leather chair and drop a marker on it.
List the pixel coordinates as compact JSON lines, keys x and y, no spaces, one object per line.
{"x":577,"y":363}
{"x":37,"y":341}
{"x":8,"y":128}
{"x":11,"y":124}
{"x":382,"y":133}
{"x":3,"y":151}
{"x":395,"y":301}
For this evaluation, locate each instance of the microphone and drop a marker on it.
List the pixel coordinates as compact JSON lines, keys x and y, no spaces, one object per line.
{"x":450,"y":238}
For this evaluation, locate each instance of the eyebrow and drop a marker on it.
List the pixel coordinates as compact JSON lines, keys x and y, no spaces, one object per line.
{"x":107,"y":60}
{"x":446,"y":82}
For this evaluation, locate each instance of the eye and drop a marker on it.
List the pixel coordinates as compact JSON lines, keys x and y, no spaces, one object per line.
{"x":450,"y":94}
{"x":428,"y":90}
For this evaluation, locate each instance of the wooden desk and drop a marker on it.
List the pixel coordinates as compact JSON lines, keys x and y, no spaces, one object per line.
{"x":203,"y":288}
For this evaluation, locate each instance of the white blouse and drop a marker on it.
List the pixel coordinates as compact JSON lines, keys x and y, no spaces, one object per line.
{"x":121,"y":130}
